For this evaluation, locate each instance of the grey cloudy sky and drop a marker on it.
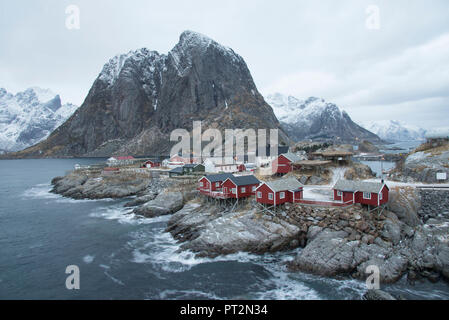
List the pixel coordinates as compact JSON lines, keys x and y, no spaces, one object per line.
{"x":304,"y":48}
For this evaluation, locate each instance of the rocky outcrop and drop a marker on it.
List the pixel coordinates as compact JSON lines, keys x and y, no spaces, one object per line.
{"x":423,"y":164}
{"x":405,"y":203}
{"x":358,"y":171}
{"x":139,"y":98}
{"x":165,"y":203}
{"x":209,"y":232}
{"x":96,"y":185}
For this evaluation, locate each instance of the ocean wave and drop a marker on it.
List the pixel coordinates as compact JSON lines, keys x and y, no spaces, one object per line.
{"x":124,"y":215}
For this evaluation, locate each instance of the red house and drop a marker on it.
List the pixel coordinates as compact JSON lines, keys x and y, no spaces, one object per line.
{"x":240,"y":187}
{"x":279,"y":192}
{"x":246,"y":167}
{"x":369,"y":193}
{"x":151,"y":164}
{"x":212,"y":183}
{"x":284,"y":163}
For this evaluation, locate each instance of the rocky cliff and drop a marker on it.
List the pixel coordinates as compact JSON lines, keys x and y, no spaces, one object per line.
{"x":140,"y":97}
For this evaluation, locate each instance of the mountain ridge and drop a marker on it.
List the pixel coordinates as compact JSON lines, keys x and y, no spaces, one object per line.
{"x":140,"y":97}
{"x":29,"y":116}
{"x":316,"y":119}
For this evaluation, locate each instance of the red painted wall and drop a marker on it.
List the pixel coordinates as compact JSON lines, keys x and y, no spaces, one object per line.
{"x":358,"y":198}
{"x":281,"y":165}
{"x":266,"y":190}
{"x":229,"y":185}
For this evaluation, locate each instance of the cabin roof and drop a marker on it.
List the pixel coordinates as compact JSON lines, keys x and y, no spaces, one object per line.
{"x":363,"y":186}
{"x":218,"y":177}
{"x":176,"y":170}
{"x":192,"y":165}
{"x":284,"y":184}
{"x":244,"y":180}
{"x":292,"y":157}
{"x":313,"y":163}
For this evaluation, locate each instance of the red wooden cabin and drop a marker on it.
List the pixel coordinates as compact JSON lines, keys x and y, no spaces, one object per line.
{"x":279,"y":192}
{"x":240,"y":187}
{"x":151,"y":164}
{"x":212,"y":183}
{"x":363,"y":192}
{"x":284,"y":163}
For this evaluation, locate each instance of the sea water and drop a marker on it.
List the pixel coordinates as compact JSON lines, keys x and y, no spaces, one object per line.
{"x":121,"y":256}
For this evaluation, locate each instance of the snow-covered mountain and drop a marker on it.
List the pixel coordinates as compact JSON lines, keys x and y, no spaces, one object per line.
{"x":29,"y":117}
{"x":316,"y":119}
{"x":394,"y":130}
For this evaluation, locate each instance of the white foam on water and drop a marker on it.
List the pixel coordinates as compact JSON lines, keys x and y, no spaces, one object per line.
{"x":88,"y":259}
{"x":124,"y":215}
{"x":40,"y":191}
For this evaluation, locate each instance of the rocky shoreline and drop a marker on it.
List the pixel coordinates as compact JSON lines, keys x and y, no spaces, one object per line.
{"x":405,"y":240}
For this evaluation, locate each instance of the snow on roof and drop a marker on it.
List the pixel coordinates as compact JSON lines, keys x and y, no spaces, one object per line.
{"x":284,"y":184}
{"x":363,"y":186}
{"x":292,"y":157}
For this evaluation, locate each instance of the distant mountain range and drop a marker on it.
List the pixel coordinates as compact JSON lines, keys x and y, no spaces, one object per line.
{"x":395,"y":131}
{"x":316,"y":119}
{"x":30,"y":116}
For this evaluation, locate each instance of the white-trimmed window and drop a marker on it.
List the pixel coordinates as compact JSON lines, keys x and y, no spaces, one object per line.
{"x":201,"y":184}
{"x":270,"y":196}
{"x":217,"y":184}
{"x":282,"y":195}
{"x":243,"y":189}
{"x":339,"y":193}
{"x":254,"y":188}
{"x":234,"y":190}
{"x":380,"y":196}
{"x":259,"y":194}
{"x":367,"y":195}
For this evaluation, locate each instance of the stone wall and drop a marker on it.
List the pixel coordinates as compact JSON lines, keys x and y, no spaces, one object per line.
{"x":434,"y":204}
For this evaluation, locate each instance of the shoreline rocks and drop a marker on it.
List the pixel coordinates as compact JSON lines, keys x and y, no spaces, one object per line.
{"x":91,"y":184}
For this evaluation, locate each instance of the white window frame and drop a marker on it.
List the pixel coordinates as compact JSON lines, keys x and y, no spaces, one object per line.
{"x":339,"y":193}
{"x":243,"y":189}
{"x":282,"y":195}
{"x":234,"y":190}
{"x":270,"y":196}
{"x":254,"y":188}
{"x":380,"y":196}
{"x":201,"y":184}
{"x":259,"y":194}
{"x":365,"y":197}
{"x":217,"y":184}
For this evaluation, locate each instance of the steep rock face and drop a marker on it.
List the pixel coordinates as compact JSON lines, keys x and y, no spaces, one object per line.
{"x":140,"y":97}
{"x":316,"y":119}
{"x":29,"y":117}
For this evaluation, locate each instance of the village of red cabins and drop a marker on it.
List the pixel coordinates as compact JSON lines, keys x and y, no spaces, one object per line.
{"x":290,"y":190}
